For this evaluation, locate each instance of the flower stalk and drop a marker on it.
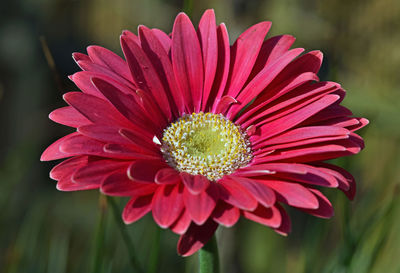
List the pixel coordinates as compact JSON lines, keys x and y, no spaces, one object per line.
{"x":209,"y":258}
{"x":125,"y":235}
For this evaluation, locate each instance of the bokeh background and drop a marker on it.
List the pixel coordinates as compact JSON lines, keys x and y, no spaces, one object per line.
{"x":44,"y":230}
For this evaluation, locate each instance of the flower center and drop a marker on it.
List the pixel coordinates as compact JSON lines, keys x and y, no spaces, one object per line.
{"x":205,"y":144}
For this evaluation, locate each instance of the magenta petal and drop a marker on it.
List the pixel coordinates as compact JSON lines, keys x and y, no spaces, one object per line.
{"x":266,"y":216}
{"x":53,"y":151}
{"x":145,"y":75}
{"x":167,"y":205}
{"x":67,"y":167}
{"x":167,"y":176}
{"x":223,"y":64}
{"x":107,"y":58}
{"x":68,"y":116}
{"x":77,"y":56}
{"x":226,"y":214}
{"x":103,"y":133}
{"x":65,"y":184}
{"x":195,"y":183}
{"x":293,"y":194}
{"x":164,"y":39}
{"x":325,"y":209}
{"x":244,"y":54}
{"x":136,"y":208}
{"x":196,"y":237}
{"x":144,"y":171}
{"x":271,"y":50}
{"x":181,"y":224}
{"x":199,"y":206}
{"x":306,"y":133}
{"x":118,"y":184}
{"x":258,"y":84}
{"x":95,"y":109}
{"x":262,"y":193}
{"x":187,"y":62}
{"x":96,"y":169}
{"x":235,"y":194}
{"x":159,"y":58}
{"x":207,"y":33}
{"x":286,"y":225}
{"x":282,"y":124}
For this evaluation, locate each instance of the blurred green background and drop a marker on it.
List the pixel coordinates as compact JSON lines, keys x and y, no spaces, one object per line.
{"x":44,"y":230}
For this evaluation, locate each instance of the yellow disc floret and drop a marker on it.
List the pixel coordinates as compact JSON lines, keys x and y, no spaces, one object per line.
{"x":205,"y":144}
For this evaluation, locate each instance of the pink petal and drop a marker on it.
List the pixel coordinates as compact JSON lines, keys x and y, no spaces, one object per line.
{"x":235,"y":194}
{"x":295,"y":89}
{"x":144,"y":142}
{"x":282,"y":124}
{"x":225,"y":214}
{"x":118,"y":184}
{"x":199,"y":206}
{"x":144,"y":74}
{"x":131,"y":36}
{"x":67,"y":167}
{"x":270,"y":217}
{"x":128,"y":152}
{"x":222,"y":72}
{"x":286,"y":226}
{"x":92,"y":67}
{"x":262,"y":193}
{"x":293,"y":194}
{"x":127,"y":106}
{"x":306,"y":133}
{"x":95,"y":109}
{"x":187,"y":62}
{"x":325,"y":209}
{"x":82,"y":80}
{"x":77,"y":56}
{"x":96,"y":169}
{"x":195,"y":183}
{"x":65,"y":184}
{"x":196,"y":237}
{"x":293,"y":172}
{"x":308,"y":154}
{"x":167,"y":176}
{"x":182,"y":224}
{"x":271,"y":49}
{"x":346,"y":181}
{"x":159,"y":58}
{"x":136,"y":208}
{"x":224,"y":104}
{"x":167,"y":205}
{"x":109,"y":59}
{"x":207,"y":33}
{"x":164,"y":39}
{"x":152,"y":110}
{"x":68,"y":116}
{"x":103,"y":133}
{"x":144,"y":171}
{"x":261,"y":81}
{"x":243,"y":56}
{"x":53,"y":151}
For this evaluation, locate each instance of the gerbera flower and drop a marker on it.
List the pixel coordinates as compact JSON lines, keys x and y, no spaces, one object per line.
{"x":199,"y":132}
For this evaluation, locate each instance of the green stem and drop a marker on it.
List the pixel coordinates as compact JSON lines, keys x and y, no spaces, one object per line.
{"x":155,"y":252}
{"x":125,"y":235}
{"x":208,"y":257}
{"x":99,"y":237}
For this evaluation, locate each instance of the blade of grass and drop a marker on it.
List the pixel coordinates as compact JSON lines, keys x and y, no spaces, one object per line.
{"x":125,"y":235}
{"x":155,"y":252}
{"x":99,"y":237}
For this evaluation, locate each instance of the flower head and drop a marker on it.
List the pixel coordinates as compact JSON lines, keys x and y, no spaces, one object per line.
{"x":199,"y":132}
